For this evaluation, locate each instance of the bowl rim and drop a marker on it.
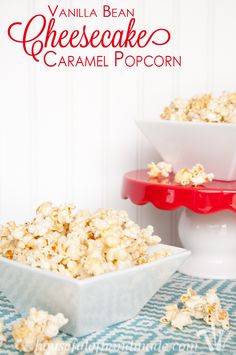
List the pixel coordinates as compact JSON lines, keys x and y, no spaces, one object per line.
{"x":91,"y":279}
{"x":185,"y":123}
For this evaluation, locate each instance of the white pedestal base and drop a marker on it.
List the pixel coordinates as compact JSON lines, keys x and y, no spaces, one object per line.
{"x":212,"y":240}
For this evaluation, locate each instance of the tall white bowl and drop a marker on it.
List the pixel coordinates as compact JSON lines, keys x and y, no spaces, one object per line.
{"x":187,"y":143}
{"x":91,"y":304}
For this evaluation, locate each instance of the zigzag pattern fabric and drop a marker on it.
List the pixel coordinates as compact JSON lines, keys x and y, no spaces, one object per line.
{"x":144,"y":334}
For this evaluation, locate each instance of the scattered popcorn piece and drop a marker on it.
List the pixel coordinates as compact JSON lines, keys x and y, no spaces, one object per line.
{"x":194,"y":303}
{"x":204,"y":108}
{"x":78,"y":244}
{"x":212,"y":298}
{"x":159,"y":170}
{"x":199,"y":176}
{"x":213,"y":313}
{"x":178,"y":318}
{"x":182,"y":319}
{"x":37,"y":328}
{"x":195,"y":176}
{"x":206,"y":307}
{"x":183,"y":177}
{"x":171,"y":312}
{"x":2,"y":337}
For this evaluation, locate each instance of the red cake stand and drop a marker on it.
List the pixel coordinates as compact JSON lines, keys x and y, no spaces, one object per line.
{"x":207,"y":225}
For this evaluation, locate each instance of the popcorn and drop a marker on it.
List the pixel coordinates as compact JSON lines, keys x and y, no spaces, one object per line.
{"x":183,"y":177}
{"x":65,"y":213}
{"x":36,"y":331}
{"x":2,"y":337}
{"x":194,"y":303}
{"x":158,"y":255}
{"x":204,"y":108}
{"x":171,"y":313}
{"x":182,"y":319}
{"x":159,"y":170}
{"x":195,"y":176}
{"x":213,"y":314}
{"x":78,"y":244}
{"x":45,"y":209}
{"x":178,"y":318}
{"x":207,"y":308}
{"x":94,"y":266}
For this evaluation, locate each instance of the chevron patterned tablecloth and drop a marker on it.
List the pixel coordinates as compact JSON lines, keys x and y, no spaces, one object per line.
{"x":144,"y":334}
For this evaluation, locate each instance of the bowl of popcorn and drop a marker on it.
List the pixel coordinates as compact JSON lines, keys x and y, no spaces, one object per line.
{"x":96,"y":269}
{"x":202,"y":129}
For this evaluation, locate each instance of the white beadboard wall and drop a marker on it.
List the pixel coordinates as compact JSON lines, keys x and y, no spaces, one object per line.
{"x":70,"y":135}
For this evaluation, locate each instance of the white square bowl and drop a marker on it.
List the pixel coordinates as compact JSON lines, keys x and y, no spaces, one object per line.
{"x":90,"y":304}
{"x":185,"y":144}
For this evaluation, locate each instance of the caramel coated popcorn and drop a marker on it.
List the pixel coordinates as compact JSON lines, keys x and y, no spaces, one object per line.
{"x":203,"y":108}
{"x":159,"y":170}
{"x":2,"y":336}
{"x":178,"y":318}
{"x":195,"y":176}
{"x":207,"y":308}
{"x":35,"y":334}
{"x":78,"y":244}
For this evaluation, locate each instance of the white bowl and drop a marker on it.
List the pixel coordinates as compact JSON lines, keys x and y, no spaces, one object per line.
{"x":93,"y":303}
{"x":185,"y":144}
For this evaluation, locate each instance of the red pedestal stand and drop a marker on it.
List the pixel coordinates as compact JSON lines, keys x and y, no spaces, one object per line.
{"x":207,"y":225}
